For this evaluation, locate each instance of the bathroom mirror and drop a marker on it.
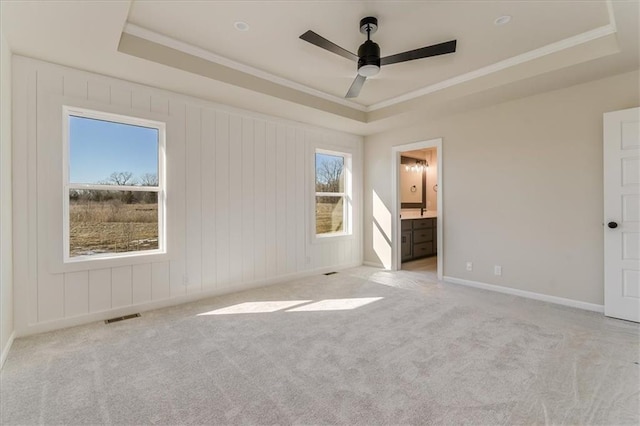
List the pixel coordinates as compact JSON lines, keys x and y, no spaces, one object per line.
{"x":413,"y":183}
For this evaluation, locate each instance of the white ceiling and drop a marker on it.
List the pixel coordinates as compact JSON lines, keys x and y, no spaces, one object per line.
{"x":547,"y":44}
{"x":272,"y":42}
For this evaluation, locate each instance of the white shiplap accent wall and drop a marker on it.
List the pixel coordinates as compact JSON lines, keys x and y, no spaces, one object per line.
{"x":239,"y":201}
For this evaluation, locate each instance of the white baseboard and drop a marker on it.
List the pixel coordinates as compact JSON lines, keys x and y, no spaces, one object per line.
{"x":172,"y":301}
{"x":528,"y":294}
{"x":374,"y":264}
{"x":5,"y":350}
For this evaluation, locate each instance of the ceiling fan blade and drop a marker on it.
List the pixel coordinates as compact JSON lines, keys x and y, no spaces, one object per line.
{"x":424,"y":52}
{"x":322,"y":42}
{"x":357,"y":84}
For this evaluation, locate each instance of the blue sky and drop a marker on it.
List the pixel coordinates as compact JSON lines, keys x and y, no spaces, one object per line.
{"x":98,"y":148}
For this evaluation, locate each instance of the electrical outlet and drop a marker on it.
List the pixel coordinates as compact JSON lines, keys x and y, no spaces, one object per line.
{"x":497,"y":270}
{"x":469,"y":266}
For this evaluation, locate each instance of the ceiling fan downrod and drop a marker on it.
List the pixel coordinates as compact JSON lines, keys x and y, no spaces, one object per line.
{"x":369,"y":51}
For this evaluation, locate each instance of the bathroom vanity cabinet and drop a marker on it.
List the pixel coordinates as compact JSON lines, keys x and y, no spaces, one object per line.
{"x":418,"y":238}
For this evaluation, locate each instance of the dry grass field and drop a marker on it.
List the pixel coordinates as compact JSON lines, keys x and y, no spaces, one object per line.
{"x":329,"y":217}
{"x":112,"y":227}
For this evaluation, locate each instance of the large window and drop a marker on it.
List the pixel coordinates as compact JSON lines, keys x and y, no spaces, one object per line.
{"x":333,"y":187}
{"x":113,"y":185}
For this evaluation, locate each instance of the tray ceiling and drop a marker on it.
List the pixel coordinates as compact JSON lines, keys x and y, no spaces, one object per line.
{"x":192,"y":47}
{"x":271,"y":44}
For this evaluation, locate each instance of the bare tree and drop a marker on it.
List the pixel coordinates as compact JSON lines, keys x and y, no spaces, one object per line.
{"x":121,"y":178}
{"x":329,"y":176}
{"x":126,"y":197}
{"x":149,"y":179}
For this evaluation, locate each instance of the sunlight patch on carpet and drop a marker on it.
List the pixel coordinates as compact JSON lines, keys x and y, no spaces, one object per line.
{"x":256,"y":307}
{"x":293,"y":306}
{"x":335,"y":304}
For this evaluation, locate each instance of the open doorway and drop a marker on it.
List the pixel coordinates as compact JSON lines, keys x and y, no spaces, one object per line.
{"x":417,"y":202}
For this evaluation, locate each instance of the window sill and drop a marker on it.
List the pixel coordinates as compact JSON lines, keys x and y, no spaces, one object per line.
{"x":331,"y":238}
{"x":91,"y":263}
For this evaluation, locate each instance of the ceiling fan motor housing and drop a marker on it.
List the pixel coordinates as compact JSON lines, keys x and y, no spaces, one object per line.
{"x":369,"y":58}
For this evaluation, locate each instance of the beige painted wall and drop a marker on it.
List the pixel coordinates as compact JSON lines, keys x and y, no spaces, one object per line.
{"x":6,"y":270}
{"x":522,"y":188}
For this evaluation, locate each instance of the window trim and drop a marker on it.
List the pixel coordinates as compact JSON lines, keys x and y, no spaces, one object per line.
{"x":347,"y":196}
{"x":160,"y":189}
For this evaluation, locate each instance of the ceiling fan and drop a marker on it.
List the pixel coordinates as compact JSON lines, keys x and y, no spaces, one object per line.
{"x":368,"y":57}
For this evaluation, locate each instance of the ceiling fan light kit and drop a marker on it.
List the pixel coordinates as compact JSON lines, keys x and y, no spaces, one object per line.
{"x":368,"y":57}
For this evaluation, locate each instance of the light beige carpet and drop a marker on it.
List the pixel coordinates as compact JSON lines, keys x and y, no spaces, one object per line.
{"x":360,"y":347}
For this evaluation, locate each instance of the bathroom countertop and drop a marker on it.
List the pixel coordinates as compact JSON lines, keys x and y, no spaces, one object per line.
{"x":416,"y":214}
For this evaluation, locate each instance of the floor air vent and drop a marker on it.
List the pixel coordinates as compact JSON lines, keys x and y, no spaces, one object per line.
{"x":330,"y":273}
{"x":126,"y":317}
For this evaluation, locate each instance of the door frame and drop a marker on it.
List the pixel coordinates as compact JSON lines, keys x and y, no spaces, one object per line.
{"x":395,"y":201}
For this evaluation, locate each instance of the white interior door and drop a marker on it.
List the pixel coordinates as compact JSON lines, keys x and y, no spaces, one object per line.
{"x":622,"y":214}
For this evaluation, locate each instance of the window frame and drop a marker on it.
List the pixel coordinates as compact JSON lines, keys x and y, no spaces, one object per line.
{"x":346,"y":195}
{"x":67,"y":186}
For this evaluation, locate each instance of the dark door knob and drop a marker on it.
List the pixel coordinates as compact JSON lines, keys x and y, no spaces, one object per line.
{"x":612,"y":225}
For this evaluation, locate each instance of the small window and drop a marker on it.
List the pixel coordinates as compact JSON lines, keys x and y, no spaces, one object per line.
{"x":332,"y":203}
{"x":113,"y":185}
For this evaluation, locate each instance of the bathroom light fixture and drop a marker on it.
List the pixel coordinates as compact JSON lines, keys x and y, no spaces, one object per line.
{"x":418,"y":167}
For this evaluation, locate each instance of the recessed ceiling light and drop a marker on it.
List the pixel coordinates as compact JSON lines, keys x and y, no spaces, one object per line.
{"x":241,"y":26}
{"x":501,"y":20}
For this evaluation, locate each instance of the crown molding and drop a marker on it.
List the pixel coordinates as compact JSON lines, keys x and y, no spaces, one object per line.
{"x":190,"y":49}
{"x":576,"y":40}
{"x":549,"y":49}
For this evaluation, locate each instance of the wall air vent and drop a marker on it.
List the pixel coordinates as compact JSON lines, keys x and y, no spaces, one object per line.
{"x":126,"y":317}
{"x":330,"y":273}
